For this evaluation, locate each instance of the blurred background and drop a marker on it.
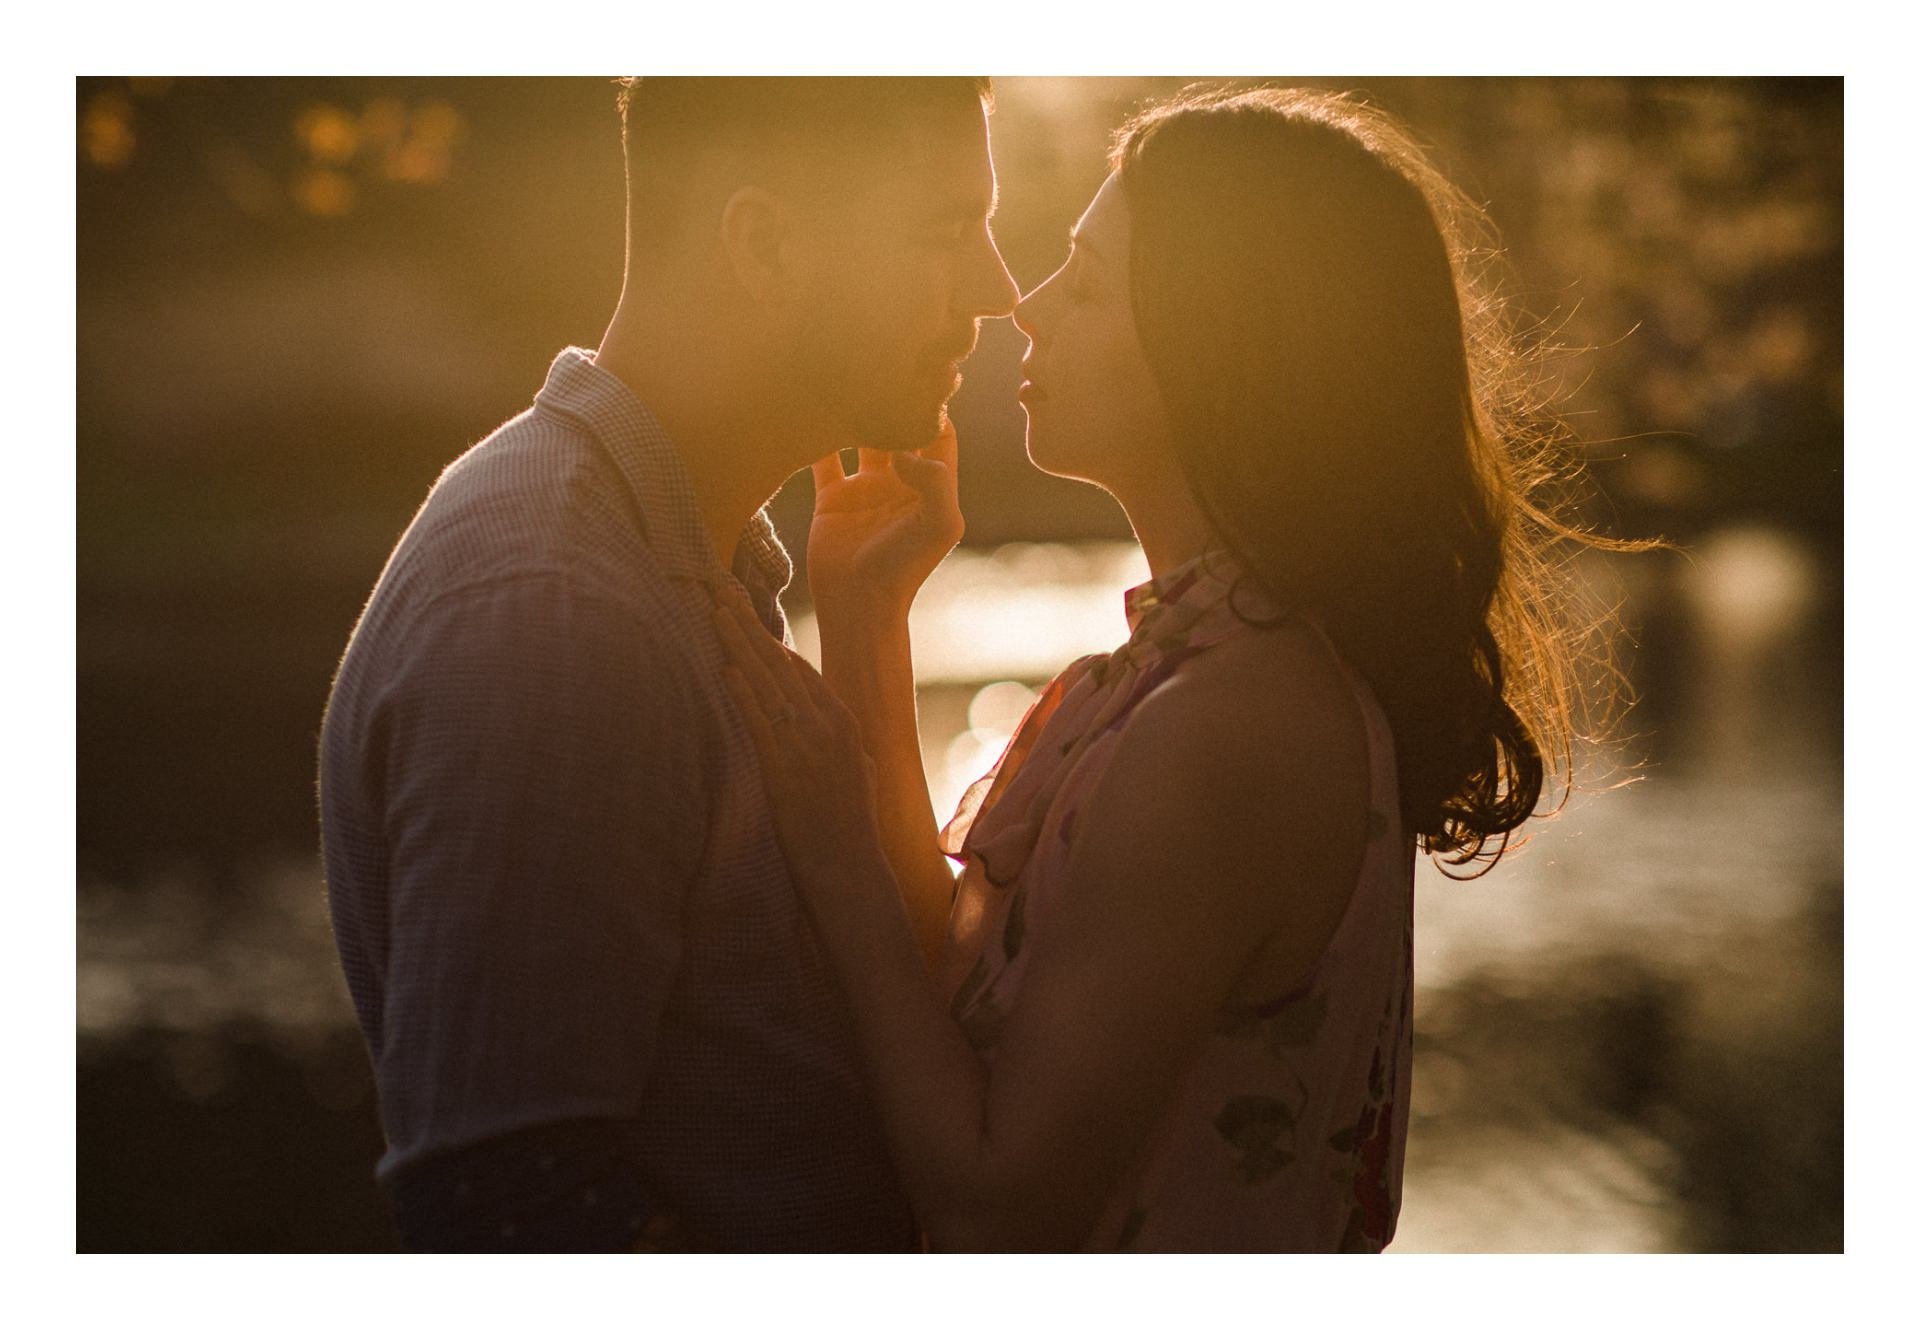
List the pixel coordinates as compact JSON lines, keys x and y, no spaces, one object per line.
{"x":299,"y":299}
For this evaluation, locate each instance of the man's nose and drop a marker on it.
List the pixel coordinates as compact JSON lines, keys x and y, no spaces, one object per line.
{"x":1026,"y":312}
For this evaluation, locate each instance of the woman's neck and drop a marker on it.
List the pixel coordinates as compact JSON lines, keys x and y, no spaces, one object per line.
{"x":1168,"y":525}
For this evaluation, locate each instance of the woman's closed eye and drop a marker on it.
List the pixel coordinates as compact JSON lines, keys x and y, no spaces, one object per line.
{"x":1079,"y":286}
{"x":1076,"y":280}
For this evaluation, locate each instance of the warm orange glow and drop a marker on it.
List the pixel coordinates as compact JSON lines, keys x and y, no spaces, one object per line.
{"x":425,"y":156}
{"x":417,"y":163}
{"x":324,"y":193}
{"x":329,"y":134}
{"x":106,"y":131}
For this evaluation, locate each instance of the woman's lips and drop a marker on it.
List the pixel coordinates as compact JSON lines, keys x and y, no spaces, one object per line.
{"x":1032,"y":392}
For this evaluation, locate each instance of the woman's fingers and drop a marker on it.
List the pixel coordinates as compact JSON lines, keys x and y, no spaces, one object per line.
{"x":934,"y":467}
{"x":828,"y":471}
{"x":946,"y":448}
{"x":926,"y":475}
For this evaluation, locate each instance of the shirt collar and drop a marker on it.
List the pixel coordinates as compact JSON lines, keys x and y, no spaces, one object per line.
{"x":652,"y":467}
{"x":1142,"y":600}
{"x":1208,"y":595}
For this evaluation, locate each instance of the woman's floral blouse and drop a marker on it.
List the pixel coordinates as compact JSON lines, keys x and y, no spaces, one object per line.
{"x":1289,"y":1128}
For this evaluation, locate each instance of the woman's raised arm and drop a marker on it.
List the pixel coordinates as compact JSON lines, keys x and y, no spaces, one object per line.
{"x":876,"y":536}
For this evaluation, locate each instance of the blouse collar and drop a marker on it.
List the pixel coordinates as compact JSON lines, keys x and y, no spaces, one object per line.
{"x":1188,"y":593}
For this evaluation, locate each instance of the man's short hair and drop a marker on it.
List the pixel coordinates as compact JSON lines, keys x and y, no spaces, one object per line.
{"x":762,"y":127}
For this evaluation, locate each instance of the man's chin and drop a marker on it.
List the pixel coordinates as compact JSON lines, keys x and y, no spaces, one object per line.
{"x":905,"y":431}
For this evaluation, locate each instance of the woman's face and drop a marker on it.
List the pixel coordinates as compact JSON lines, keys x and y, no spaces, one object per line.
{"x":1093,"y":410}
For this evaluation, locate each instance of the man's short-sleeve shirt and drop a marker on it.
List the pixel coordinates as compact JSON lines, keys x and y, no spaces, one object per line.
{"x":552,"y":872}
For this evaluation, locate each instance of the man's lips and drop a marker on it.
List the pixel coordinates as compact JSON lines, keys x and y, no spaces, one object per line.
{"x":955,"y":352}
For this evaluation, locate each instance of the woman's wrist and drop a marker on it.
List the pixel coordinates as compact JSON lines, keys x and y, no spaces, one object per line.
{"x":862,"y":649}
{"x":861,"y":616}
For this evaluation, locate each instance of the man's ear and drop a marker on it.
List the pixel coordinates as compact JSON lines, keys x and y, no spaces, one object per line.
{"x":755,"y":227}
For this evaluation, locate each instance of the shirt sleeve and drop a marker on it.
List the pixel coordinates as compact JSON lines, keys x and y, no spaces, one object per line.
{"x":545,"y":816}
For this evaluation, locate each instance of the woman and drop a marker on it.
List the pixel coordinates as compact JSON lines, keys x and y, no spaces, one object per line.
{"x":1169,"y":1006}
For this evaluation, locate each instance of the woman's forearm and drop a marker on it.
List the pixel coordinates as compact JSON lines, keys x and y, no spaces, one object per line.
{"x":930,"y":1086}
{"x":868,"y":662}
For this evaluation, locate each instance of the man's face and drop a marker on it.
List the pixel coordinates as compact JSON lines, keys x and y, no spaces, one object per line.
{"x":900,"y":269}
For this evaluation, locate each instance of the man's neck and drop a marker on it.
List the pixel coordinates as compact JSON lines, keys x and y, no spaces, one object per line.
{"x":736,"y":447}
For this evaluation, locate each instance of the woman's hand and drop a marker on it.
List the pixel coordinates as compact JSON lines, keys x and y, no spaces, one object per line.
{"x":879,"y":532}
{"x":819,"y":780}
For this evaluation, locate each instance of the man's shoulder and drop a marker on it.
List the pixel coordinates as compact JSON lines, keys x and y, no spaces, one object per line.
{"x":517,"y":621}
{"x":538,"y":479}
{"x":536,"y":498}
{"x":538,"y":445}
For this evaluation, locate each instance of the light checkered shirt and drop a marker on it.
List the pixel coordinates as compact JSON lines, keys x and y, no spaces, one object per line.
{"x":552,"y":871}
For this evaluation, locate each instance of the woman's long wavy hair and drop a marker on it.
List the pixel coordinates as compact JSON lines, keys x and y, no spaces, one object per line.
{"x":1354,"y":415}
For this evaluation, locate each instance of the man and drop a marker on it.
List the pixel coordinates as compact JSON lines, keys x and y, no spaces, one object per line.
{"x":597,"y":1016}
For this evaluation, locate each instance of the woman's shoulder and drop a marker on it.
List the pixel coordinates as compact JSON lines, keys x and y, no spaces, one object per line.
{"x":1262,"y":731}
{"x":1257,"y":696}
{"x":1244,"y":779}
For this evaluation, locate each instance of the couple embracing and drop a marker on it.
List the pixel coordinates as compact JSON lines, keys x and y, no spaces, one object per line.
{"x":650,"y":928}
